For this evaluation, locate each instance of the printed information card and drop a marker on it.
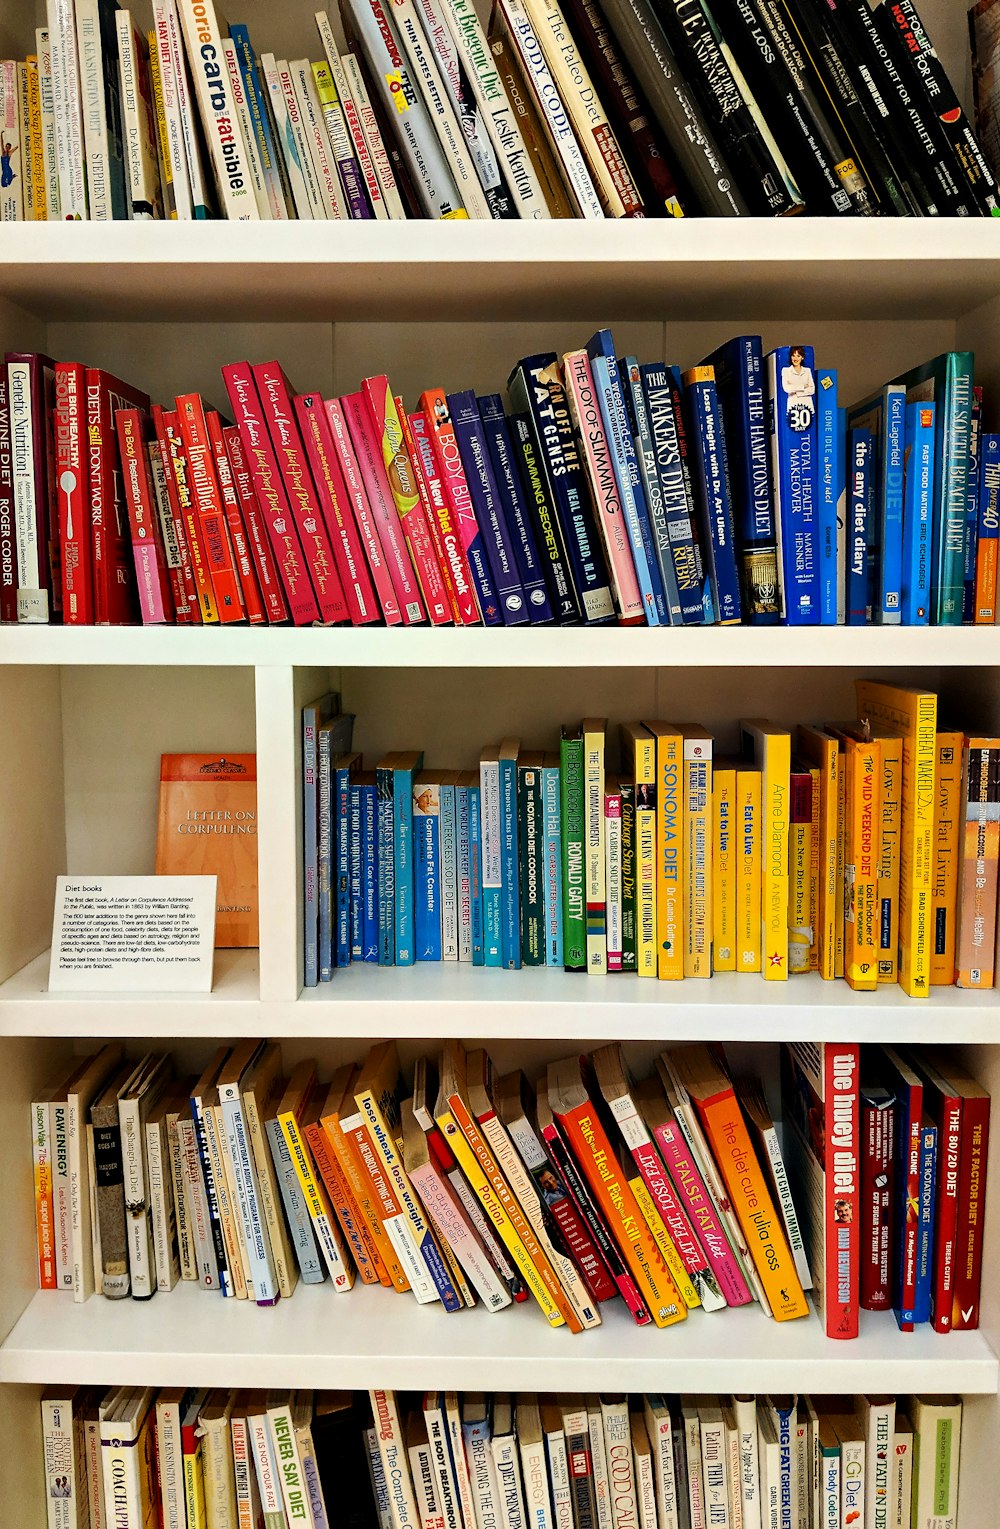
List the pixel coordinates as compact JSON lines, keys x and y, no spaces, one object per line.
{"x":133,"y":934}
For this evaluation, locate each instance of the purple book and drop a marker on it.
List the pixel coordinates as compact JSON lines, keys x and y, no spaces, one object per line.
{"x":495,"y":532}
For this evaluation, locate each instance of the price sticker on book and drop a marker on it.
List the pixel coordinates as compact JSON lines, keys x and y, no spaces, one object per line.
{"x":133,"y":934}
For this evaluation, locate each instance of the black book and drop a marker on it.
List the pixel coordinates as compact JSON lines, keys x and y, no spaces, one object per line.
{"x":551,"y":545}
{"x":783,"y":79}
{"x":338,"y":1434}
{"x":699,"y":157}
{"x":762,"y":176}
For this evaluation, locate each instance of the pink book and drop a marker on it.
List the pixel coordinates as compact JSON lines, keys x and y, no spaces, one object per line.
{"x":259,"y":547}
{"x":586,"y":413}
{"x":253,"y":605}
{"x":448,"y":1214}
{"x":405,"y":490}
{"x":270,"y":492}
{"x":444,"y":530}
{"x":358,"y":501}
{"x":373,"y":473}
{"x":276,"y":401}
{"x":152,"y":581}
{"x":336,"y":506}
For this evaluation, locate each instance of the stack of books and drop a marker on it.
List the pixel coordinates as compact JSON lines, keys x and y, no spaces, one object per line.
{"x":664,"y":1194}
{"x":471,"y":1460}
{"x":628,"y":109}
{"x":865,"y":849}
{"x":600,"y":490}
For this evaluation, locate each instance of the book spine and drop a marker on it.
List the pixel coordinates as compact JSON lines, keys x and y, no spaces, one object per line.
{"x":861,"y":937}
{"x":669,"y":467}
{"x":436,"y":408}
{"x":552,"y":869}
{"x":232,"y":1233}
{"x":402,"y":818}
{"x":987,"y":529}
{"x":890,"y":560}
{"x":946,"y":1211}
{"x":138,"y":1221}
{"x":427,"y":874}
{"x":969,"y":1224}
{"x":219,"y":119}
{"x":196,"y":1203}
{"x":487,"y":507}
{"x":76,"y":563}
{"x":356,"y":857}
{"x":73,"y":205}
{"x":8,"y":540}
{"x":259,"y":546}
{"x":552,"y":546}
{"x":613,"y":877}
{"x":142,"y":190}
{"x":859,"y":496}
{"x":697,"y":793}
{"x":510,"y":913}
{"x":155,"y":601}
{"x":630,"y":959}
{"x":369,"y":873}
{"x":491,"y":842}
{"x":700,"y":1207}
{"x":976,"y":938}
{"x":925,"y":1238}
{"x":243,"y":562}
{"x":513,"y":511}
{"x":324,"y":1225}
{"x":175,"y":466}
{"x":877,"y":1142}
{"x":444,"y":528}
{"x":670,"y":857}
{"x":382,"y":506}
{"x":476,"y":875}
{"x":952,"y":441}
{"x":342,"y":1203}
{"x":391,"y":438}
{"x":830,"y":466}
{"x":261,"y":1270}
{"x":268,"y":153}
{"x":41,"y":1158}
{"x":793,"y":428}
{"x":26,"y":402}
{"x":161,"y":1206}
{"x":324,"y":854}
{"x":530,"y":858}
{"x":594,"y":852}
{"x":342,"y":865}
{"x":358,"y":503}
{"x":315,"y":131}
{"x":386,"y":861}
{"x":368,"y":123}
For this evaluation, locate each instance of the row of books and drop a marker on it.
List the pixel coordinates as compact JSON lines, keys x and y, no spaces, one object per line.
{"x":668,"y":1193}
{"x":632,"y":109}
{"x":190,"y":1458}
{"x":604,"y":490}
{"x":807,"y":851}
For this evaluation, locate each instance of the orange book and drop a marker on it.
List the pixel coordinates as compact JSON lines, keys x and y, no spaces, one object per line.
{"x":207,"y":826}
{"x":949,"y":809}
{"x":340,"y":1100}
{"x":585,"y":1136}
{"x":388,"y":1207}
{"x":177,"y":475}
{"x":41,"y":1152}
{"x":977,"y":906}
{"x":341,"y":1200}
{"x":206,"y":497}
{"x":722,"y":1122}
{"x":862,"y":761}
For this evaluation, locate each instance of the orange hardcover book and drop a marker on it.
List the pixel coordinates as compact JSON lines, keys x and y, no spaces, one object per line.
{"x":579,"y":1123}
{"x":340,"y":1101}
{"x":341,"y":1200}
{"x":722,"y":1122}
{"x":977,"y":905}
{"x":949,"y":809}
{"x":207,"y":826}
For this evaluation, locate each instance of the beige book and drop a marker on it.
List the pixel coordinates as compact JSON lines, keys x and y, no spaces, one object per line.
{"x":80,"y":1094}
{"x":257,"y":1089}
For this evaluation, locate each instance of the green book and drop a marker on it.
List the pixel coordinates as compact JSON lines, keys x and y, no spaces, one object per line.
{"x":574,"y":895}
{"x":630,"y":906}
{"x":531,"y":858}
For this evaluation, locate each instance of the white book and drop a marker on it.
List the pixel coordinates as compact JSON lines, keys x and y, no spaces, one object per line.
{"x":692,"y":1450}
{"x":376,"y":1472}
{"x":714,"y":1472}
{"x":617,"y":1429}
{"x":445,"y":1485}
{"x":769,"y":1451}
{"x":745,"y":1412}
{"x":175,"y":1181}
{"x":878,"y":1413}
{"x":645,"y":1480}
{"x":162,"y":1213}
{"x":173,"y":85}
{"x":226,"y":148}
{"x":142,"y":1092}
{"x":265,"y":1456}
{"x":507,"y":1461}
{"x":492,"y":1503}
{"x":314,"y":128}
{"x":901,"y":1474}
{"x":352,"y":117}
{"x":733,"y":1468}
{"x":170,"y":1456}
{"x":295,"y":1493}
{"x":453,"y":1420}
{"x":418,"y":1452}
{"x":598,"y":1458}
{"x":62,"y":1457}
{"x":296,"y":127}
{"x":373,"y":137}
{"x":494,"y":103}
{"x":558,"y":1463}
{"x":93,"y":103}
{"x":254,"y":167}
{"x":286,"y":138}
{"x":660,"y":1427}
{"x":14,"y":148}
{"x":253,"y":1093}
{"x":937,"y":1439}
{"x":392,"y":1452}
{"x":79,"y":1097}
{"x":127,"y":1452}
{"x":249,"y":1509}
{"x":32,"y":597}
{"x":225,"y":1195}
{"x":142,"y":167}
{"x":196,"y":1206}
{"x":61,"y":18}
{"x":852,"y":1471}
{"x":50,"y":161}
{"x":534,"y":1467}
{"x":217,"y":1459}
{"x":240,"y":1163}
{"x":61,"y":1210}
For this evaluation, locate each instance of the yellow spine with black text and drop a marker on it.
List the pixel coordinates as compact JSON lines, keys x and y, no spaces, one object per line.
{"x":800,"y":926}
{"x":816,"y":824}
{"x":890,"y":826}
{"x":698,"y":859}
{"x":770,"y":748}
{"x":639,"y":746}
{"x":948,"y":806}
{"x":838,"y":968}
{"x":819,"y":751}
{"x":913,"y":715}
{"x":725,"y":842}
{"x":669,"y":850}
{"x":594,"y":731}
{"x":669,"y":1254}
{"x":862,"y":765}
{"x":749,"y":869}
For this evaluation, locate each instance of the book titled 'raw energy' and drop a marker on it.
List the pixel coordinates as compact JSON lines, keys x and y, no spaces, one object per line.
{"x":208,"y":827}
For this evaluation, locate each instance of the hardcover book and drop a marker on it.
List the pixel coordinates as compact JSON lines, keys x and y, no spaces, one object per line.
{"x":207,"y":826}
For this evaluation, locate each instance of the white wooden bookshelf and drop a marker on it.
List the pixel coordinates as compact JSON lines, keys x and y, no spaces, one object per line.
{"x":85,"y":714}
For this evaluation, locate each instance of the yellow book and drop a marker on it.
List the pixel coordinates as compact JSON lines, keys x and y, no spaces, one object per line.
{"x":862,"y":758}
{"x":890,"y":827}
{"x":326,"y":1228}
{"x":594,"y":731}
{"x":661,"y":1237}
{"x":162,"y":132}
{"x":749,"y":869}
{"x":816,"y":825}
{"x":800,"y":910}
{"x":838,"y":951}
{"x":912,"y":714}
{"x":640,"y":747}
{"x":770,"y":749}
{"x":725,"y":843}
{"x":819,"y":751}
{"x":948,"y":809}
{"x":669,"y":849}
{"x":698,"y":859}
{"x":36,"y":204}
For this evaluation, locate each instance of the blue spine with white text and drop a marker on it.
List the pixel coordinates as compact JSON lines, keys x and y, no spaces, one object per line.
{"x":739,"y":380}
{"x":791,"y":382}
{"x":510,"y":885}
{"x":405,"y":767}
{"x":427,"y":868}
{"x":645,"y":450}
{"x":497,"y":543}
{"x":712,"y":495}
{"x":929,"y":1168}
{"x":325,"y":863}
{"x":843,"y":516}
{"x":449,"y":867}
{"x":550,"y":540}
{"x":369,"y":868}
{"x":972,"y":511}
{"x":658,"y":391}
{"x":989,"y":518}
{"x":918,"y":504}
{"x":356,"y":856}
{"x":511,"y":491}
{"x":890,"y":468}
{"x":386,"y":863}
{"x":536,"y":385}
{"x":831,"y":465}
{"x":345,"y":766}
{"x":491,"y":857}
{"x":313,"y":717}
{"x":859,"y":496}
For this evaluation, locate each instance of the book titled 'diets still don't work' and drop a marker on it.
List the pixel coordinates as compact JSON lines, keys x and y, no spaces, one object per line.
{"x":208,"y":827}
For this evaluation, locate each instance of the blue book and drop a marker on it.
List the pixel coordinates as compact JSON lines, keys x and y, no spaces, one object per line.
{"x":885,"y":416}
{"x":831,"y":463}
{"x":712,"y":495}
{"x":463,"y":792}
{"x":450,"y":465}
{"x":512,"y":497}
{"x":794,"y":471}
{"x":972,"y":512}
{"x":946,"y":381}
{"x":552,"y":851}
{"x":843,"y":530}
{"x":404,"y":770}
{"x":122,"y":206}
{"x":271,"y":161}
{"x":510,"y":883}
{"x":548,"y":532}
{"x":427,"y":868}
{"x":989,"y":516}
{"x":621,"y":449}
{"x":660,"y":390}
{"x":313,"y":716}
{"x":645,"y":451}
{"x":326,"y":808}
{"x":740,"y":381}
{"x":344,"y":767}
{"x":535,"y":387}
{"x":386,"y":861}
{"x":491,"y":856}
{"x":369,"y":866}
{"x":449,"y":865}
{"x":925,"y":1223}
{"x":918,"y":504}
{"x":476,"y":875}
{"x":859,"y":495}
{"x":355,"y":857}
{"x":497,"y":541}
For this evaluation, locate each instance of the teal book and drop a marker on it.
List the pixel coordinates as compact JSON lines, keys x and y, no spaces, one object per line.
{"x":404,"y":772}
{"x":573,"y":888}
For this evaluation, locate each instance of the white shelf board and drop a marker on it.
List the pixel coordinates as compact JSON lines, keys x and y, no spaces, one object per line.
{"x":374,"y":1337}
{"x":692,"y":268}
{"x":438,"y":1001}
{"x":513,"y":647}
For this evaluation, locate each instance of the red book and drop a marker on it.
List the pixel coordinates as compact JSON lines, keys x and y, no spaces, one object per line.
{"x":75,"y":541}
{"x":253,"y":606}
{"x":156,"y":604}
{"x":943,"y":1103}
{"x":30,"y":402}
{"x":8,"y":555}
{"x":175,"y":466}
{"x":276,"y":402}
{"x":909,"y":1091}
{"x":383,"y":507}
{"x":207,"y":497}
{"x":969,"y":1223}
{"x":257,"y":540}
{"x":269,"y":488}
{"x":444,"y":530}
{"x":114,"y":601}
{"x":878,"y":1155}
{"x":358,"y":499}
{"x":175,"y":540}
{"x":336,"y":506}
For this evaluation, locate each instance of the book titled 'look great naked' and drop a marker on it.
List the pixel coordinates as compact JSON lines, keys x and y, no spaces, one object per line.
{"x":208,"y":827}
